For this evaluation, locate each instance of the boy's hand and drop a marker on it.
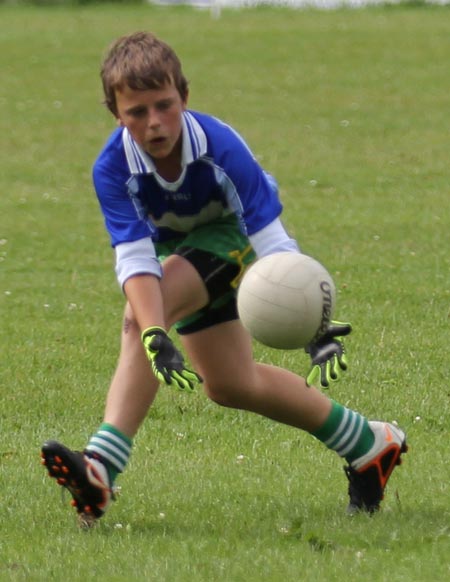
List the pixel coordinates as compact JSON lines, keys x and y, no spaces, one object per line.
{"x":167,"y":362}
{"x":328,"y":357}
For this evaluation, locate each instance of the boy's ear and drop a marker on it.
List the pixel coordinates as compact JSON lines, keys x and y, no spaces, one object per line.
{"x":119,"y":122}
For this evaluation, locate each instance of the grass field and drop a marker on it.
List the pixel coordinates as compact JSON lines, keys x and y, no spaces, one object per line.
{"x":349,"y":109}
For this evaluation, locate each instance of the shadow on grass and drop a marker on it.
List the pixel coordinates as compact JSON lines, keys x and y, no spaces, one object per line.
{"x":318,"y":528}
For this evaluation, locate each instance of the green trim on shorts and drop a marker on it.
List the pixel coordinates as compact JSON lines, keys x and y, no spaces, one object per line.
{"x":223,"y":238}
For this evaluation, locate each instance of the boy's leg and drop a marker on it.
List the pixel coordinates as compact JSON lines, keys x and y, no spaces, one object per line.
{"x":133,"y":387}
{"x":223,"y":356}
{"x":90,"y":475}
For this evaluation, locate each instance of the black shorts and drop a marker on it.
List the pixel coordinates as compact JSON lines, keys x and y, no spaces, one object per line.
{"x":218,"y":276}
{"x":220,"y":253}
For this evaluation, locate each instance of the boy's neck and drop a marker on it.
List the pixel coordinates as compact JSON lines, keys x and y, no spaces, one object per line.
{"x":170,"y":167}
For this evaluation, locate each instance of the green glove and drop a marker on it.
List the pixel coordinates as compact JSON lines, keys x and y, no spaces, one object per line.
{"x":167,"y":362}
{"x":328,"y":357}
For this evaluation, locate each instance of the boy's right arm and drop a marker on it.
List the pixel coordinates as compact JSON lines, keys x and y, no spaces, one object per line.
{"x":144,"y":295}
{"x":137,"y":267}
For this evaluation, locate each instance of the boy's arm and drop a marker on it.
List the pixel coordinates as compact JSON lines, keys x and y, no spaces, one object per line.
{"x":328,"y":356}
{"x":144,"y":295}
{"x":273,"y":239}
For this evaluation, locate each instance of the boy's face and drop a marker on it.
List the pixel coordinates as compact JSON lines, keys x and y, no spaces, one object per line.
{"x":153,"y":118}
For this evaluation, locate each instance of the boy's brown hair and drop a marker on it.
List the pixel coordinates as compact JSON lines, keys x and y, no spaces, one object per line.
{"x":140,"y":61}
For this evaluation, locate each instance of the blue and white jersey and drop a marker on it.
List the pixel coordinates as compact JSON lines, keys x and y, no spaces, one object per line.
{"x":219,"y":176}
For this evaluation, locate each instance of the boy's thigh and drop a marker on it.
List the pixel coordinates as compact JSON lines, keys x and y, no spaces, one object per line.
{"x":220,"y":254}
{"x":222,"y":355}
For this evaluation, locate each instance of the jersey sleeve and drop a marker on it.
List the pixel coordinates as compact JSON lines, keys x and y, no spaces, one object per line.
{"x":273,"y":238}
{"x":120,"y":215}
{"x":252,"y":192}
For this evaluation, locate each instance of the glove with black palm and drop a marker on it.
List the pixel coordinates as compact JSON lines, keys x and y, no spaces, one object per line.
{"x":328,"y":357}
{"x":167,"y":362}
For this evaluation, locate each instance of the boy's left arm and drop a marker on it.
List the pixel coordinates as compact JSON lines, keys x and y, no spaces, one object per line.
{"x":328,"y":357}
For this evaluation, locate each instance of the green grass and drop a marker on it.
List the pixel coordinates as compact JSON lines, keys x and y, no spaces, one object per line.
{"x":349,"y":109}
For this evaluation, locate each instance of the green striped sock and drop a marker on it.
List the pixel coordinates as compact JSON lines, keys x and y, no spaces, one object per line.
{"x":346,"y":432}
{"x":113,"y":447}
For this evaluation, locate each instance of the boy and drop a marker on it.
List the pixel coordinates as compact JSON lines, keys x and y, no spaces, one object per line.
{"x":187,"y":207}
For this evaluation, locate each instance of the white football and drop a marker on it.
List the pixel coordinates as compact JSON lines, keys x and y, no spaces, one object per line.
{"x":286,"y":299}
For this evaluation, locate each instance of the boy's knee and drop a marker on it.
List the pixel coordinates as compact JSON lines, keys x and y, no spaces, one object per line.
{"x":221,"y":395}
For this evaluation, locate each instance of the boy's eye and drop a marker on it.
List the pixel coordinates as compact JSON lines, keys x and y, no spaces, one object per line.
{"x":163,"y":105}
{"x":140,"y":112}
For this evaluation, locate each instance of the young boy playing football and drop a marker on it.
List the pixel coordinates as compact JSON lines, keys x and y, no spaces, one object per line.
{"x":187,"y":207}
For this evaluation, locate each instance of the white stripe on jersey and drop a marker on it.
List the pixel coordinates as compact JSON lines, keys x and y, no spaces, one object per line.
{"x":136,"y":162}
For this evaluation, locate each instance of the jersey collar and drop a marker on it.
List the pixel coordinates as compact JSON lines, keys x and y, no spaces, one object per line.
{"x":193,"y":147}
